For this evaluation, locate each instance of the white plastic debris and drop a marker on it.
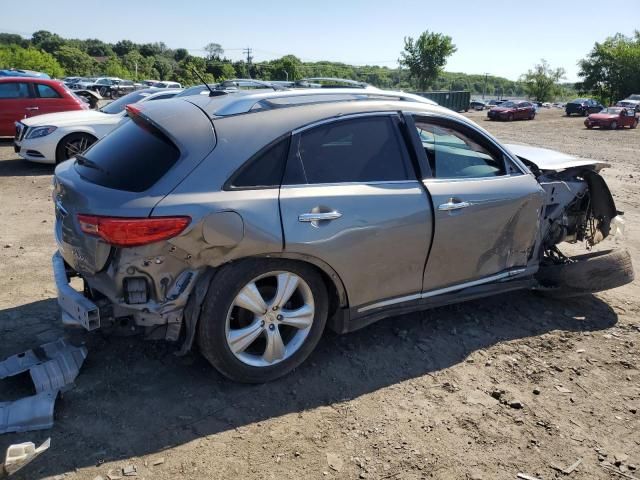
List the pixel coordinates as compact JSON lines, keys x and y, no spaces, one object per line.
{"x":20,"y":454}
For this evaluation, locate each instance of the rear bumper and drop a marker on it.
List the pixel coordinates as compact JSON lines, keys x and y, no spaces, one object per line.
{"x":76,"y":309}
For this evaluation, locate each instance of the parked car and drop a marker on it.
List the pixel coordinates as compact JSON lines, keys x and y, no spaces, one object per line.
{"x":167,"y":85}
{"x":113,"y":87}
{"x":510,"y":111}
{"x":582,"y":106}
{"x":57,"y":137}
{"x":25,"y":97}
{"x":83,"y":83}
{"x":612,"y":118}
{"x":477,"y":105}
{"x":197,"y":90}
{"x":632,"y":101}
{"x":15,"y":72}
{"x":149,"y":83}
{"x":248,"y":225}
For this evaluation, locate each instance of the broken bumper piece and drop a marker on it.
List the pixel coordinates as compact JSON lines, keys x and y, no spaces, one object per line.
{"x":26,"y":414}
{"x":76,"y":308}
{"x":20,"y":454}
{"x":53,"y":366}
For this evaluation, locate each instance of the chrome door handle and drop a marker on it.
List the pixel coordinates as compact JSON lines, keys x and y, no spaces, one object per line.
{"x":318,"y":217}
{"x":450,"y":205}
{"x":32,"y":108}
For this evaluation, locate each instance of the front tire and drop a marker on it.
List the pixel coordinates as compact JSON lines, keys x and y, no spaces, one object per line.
{"x":588,"y":273}
{"x":614,"y":125}
{"x":73,"y":145}
{"x":510,"y":117}
{"x":262,"y":318}
{"x":634,"y":124}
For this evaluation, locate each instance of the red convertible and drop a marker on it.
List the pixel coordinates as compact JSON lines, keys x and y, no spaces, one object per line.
{"x":612,"y":118}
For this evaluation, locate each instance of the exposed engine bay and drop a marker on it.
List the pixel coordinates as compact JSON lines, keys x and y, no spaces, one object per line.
{"x":579,"y":206}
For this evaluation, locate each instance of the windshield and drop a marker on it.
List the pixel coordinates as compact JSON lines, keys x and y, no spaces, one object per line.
{"x":634,"y":97}
{"x":507,"y":104}
{"x":579,"y":100}
{"x":117,"y":106}
{"x":612,"y":110}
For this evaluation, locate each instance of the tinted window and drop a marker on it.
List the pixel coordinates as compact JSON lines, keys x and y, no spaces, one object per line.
{"x":360,"y":150}
{"x":14,"y":90}
{"x":132,"y":158}
{"x":45,"y":91}
{"x":454,"y":154}
{"x":118,"y":105}
{"x":265,"y":169}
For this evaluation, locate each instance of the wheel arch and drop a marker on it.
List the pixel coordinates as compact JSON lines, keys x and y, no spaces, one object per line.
{"x":85,"y":131}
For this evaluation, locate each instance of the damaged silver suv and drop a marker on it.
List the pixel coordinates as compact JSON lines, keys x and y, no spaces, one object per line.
{"x":248,"y":222}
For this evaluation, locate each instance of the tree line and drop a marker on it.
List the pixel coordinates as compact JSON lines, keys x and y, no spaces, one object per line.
{"x":610,"y":71}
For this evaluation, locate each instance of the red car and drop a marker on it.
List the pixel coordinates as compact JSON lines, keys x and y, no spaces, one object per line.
{"x":22,"y":97}
{"x":512,"y":111}
{"x":612,"y":118}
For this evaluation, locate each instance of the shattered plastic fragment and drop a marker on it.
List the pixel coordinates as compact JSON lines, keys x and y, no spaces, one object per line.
{"x":22,"y":362}
{"x":29,"y":413}
{"x":21,"y":454}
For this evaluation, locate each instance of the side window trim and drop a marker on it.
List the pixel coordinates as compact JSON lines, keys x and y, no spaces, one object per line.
{"x":397,"y":123}
{"x":510,"y":162}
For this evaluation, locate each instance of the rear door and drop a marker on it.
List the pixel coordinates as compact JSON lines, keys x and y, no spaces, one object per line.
{"x":487,"y":210}
{"x":14,"y":101}
{"x":350,"y":198}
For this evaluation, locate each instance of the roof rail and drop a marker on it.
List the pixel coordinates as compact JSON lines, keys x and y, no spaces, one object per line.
{"x":235,"y":105}
{"x":249,"y":82}
{"x":331,"y":82}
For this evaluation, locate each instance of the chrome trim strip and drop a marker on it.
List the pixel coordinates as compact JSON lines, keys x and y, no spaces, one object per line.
{"x":384,"y":113}
{"x":391,"y":301}
{"x":440,"y":291}
{"x":348,"y":184}
{"x":473,"y":283}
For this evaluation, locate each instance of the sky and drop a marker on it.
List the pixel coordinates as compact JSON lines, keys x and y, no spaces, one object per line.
{"x":498,"y":37}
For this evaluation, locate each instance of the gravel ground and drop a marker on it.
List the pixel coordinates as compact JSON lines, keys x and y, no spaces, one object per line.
{"x":482,"y":390}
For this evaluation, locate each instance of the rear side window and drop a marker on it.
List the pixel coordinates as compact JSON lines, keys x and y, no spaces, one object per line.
{"x":45,"y":91}
{"x":132,"y":158}
{"x":14,"y":90}
{"x":360,"y":150}
{"x":265,"y":170}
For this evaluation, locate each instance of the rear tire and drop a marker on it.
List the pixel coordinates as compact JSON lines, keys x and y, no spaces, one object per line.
{"x":510,"y":117}
{"x":634,"y":124}
{"x":247,"y":357}
{"x":590,"y":273}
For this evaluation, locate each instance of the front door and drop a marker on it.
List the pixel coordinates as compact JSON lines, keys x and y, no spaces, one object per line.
{"x":351,"y":199}
{"x":14,"y":102}
{"x":487,"y":210}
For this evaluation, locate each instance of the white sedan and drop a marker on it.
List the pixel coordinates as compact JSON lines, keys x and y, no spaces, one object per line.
{"x":56,"y":137}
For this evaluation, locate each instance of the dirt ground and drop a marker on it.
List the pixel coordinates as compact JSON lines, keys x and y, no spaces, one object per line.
{"x":407,"y":398}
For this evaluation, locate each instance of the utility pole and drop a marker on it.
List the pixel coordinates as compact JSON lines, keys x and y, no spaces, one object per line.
{"x":249,"y":58}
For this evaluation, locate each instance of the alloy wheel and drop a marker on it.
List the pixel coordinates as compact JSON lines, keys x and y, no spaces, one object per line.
{"x":270,"y":318}
{"x":76,"y":146}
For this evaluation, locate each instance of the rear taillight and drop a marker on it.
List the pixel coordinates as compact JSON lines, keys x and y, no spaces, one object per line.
{"x":132,"y":232}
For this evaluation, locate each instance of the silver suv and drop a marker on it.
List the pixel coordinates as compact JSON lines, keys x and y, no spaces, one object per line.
{"x":249,"y":221}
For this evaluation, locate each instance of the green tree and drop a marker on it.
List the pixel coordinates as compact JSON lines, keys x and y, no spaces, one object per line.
{"x":426,"y":57}
{"x":542,"y":82}
{"x":123,"y":47}
{"x":286,"y":68}
{"x":185,"y":71}
{"x":214,"y":51}
{"x":14,"y":56}
{"x":13,"y":39}
{"x":180,"y":54}
{"x":47,"y":41}
{"x":75,"y":61}
{"x":163,"y":66}
{"x":611,"y":70}
{"x":112,"y":67}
